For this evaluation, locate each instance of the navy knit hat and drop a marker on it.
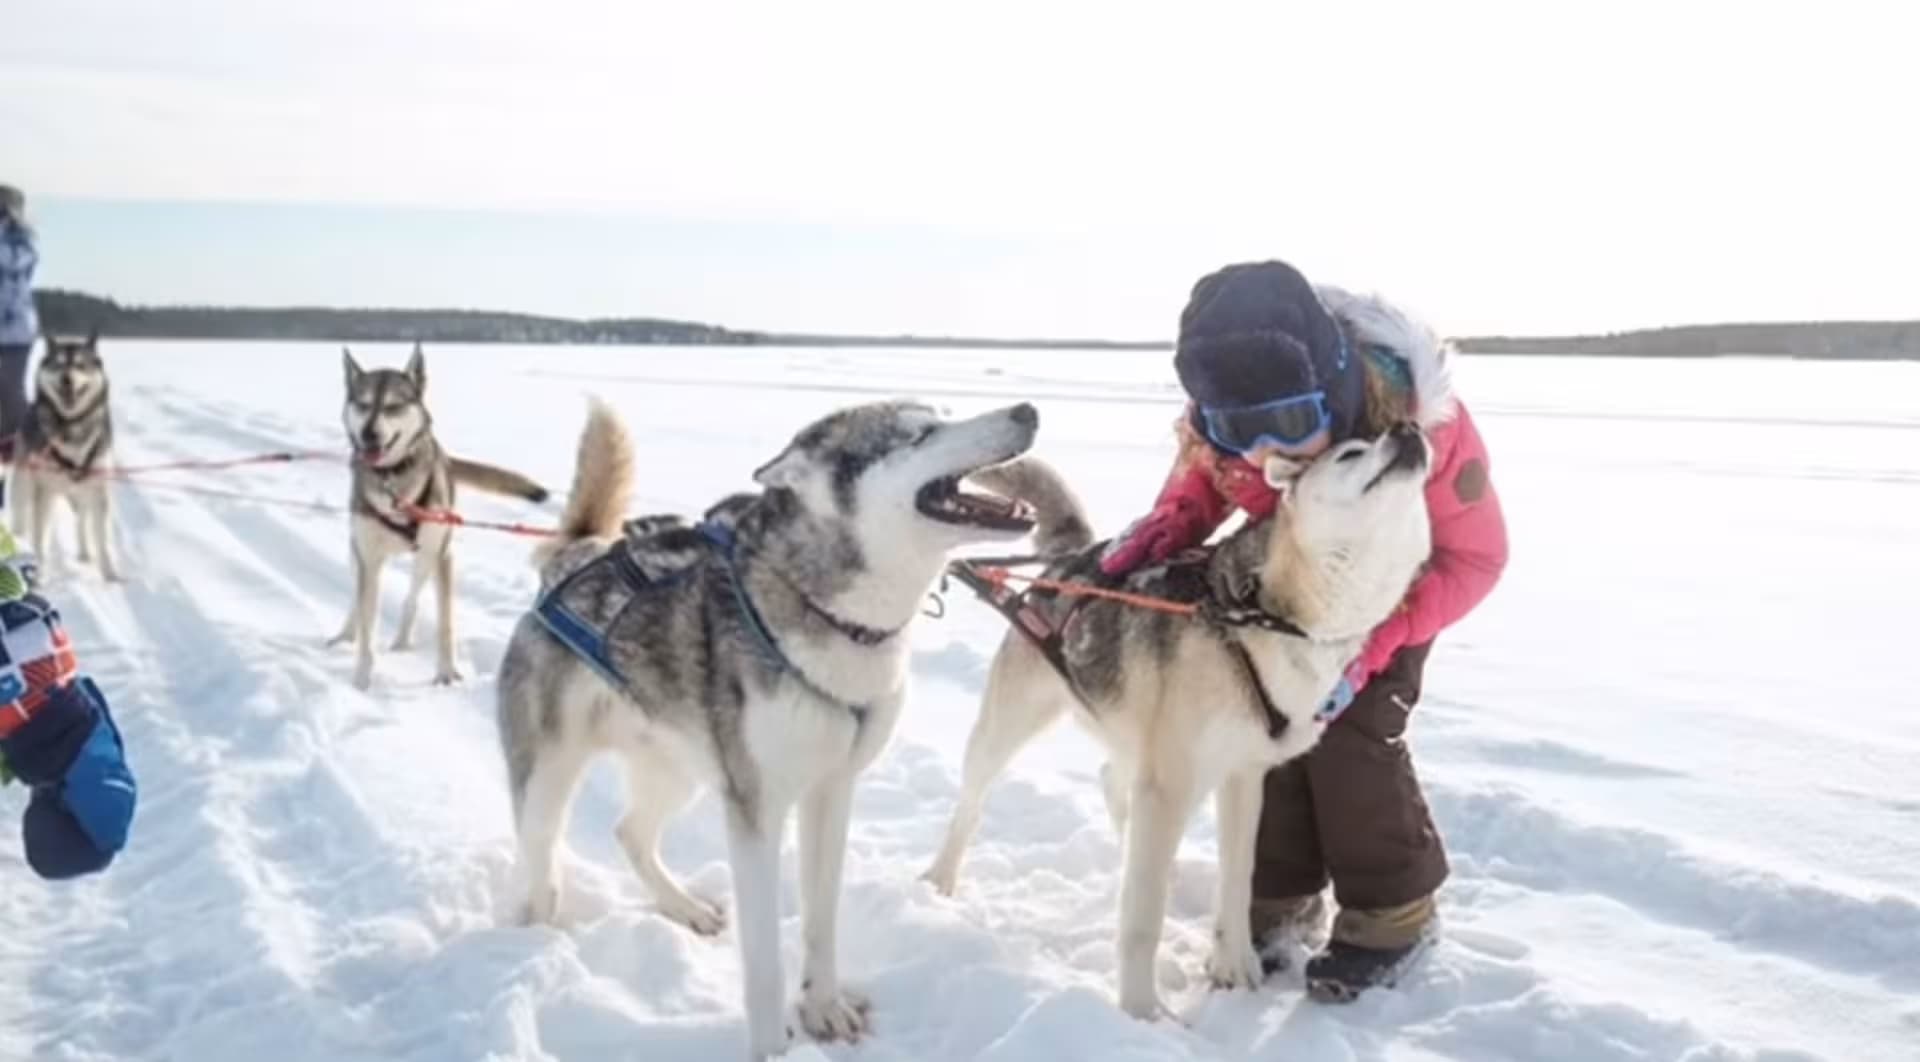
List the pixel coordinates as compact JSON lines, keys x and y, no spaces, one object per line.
{"x":1255,"y":332}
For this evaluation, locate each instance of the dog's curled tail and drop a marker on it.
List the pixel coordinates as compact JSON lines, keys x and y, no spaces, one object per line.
{"x":602,"y":483}
{"x":495,"y":480}
{"x":1062,"y":525}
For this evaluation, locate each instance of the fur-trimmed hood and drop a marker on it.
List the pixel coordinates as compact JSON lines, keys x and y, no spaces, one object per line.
{"x":1372,"y":320}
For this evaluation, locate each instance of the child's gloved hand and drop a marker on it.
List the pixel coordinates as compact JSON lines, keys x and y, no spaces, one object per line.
{"x":84,"y":795}
{"x":1151,"y":539}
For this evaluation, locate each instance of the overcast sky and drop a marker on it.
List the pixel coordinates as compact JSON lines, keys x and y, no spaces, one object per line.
{"x":1017,"y":169}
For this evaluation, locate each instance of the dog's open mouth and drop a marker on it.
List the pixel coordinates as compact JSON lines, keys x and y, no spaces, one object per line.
{"x":371,"y":454}
{"x":946,"y":500}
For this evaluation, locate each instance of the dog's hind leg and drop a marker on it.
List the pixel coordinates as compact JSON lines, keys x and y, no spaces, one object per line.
{"x":657,"y":789}
{"x":103,"y":530}
{"x":753,"y":847}
{"x":1116,"y":787}
{"x":827,"y":1010}
{"x":1161,"y":805}
{"x":545,"y":799}
{"x":1234,"y":962}
{"x":20,"y":500}
{"x":444,"y":673}
{"x":80,"y":500}
{"x":350,"y":626}
{"x":1017,"y":705}
{"x":347,"y":628}
{"x":410,"y":612}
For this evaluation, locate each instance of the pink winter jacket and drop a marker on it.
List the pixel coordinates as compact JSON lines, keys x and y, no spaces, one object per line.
{"x":1469,"y":532}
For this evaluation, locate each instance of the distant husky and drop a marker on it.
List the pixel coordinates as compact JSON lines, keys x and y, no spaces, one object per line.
{"x":762,"y":653}
{"x":1186,"y":708}
{"x":400,"y":469}
{"x":66,"y":450}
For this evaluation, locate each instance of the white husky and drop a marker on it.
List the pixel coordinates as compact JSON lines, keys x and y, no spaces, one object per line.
{"x":1188,"y":708}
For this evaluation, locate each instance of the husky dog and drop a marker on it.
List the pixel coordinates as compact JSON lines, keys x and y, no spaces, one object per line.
{"x":1187,"y":708}
{"x":400,"y":469}
{"x":762,"y":653}
{"x":66,"y":449}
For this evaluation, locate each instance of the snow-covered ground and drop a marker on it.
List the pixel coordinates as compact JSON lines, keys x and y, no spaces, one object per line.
{"x":1674,"y":756}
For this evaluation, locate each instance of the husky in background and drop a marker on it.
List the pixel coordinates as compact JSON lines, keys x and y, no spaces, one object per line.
{"x":1188,"y":708}
{"x":762,"y":653}
{"x":65,"y":450}
{"x":399,"y":471}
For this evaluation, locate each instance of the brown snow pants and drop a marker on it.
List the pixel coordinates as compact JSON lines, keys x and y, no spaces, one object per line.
{"x":1351,"y":811}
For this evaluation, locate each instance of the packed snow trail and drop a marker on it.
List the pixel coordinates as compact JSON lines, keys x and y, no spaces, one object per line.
{"x":1672,"y":756}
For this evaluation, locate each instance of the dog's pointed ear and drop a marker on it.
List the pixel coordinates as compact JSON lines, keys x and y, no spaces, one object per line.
{"x":93,"y":339}
{"x":417,"y":367}
{"x":354,"y":371}
{"x":781,"y":473}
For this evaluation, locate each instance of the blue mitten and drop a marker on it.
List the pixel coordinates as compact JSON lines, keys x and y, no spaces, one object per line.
{"x":84,"y":795}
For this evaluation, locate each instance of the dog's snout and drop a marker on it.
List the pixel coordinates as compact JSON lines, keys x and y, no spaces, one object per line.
{"x":1409,"y":445}
{"x":1025,"y":415}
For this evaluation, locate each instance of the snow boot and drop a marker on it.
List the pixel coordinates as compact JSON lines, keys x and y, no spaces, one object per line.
{"x":1370,"y":949}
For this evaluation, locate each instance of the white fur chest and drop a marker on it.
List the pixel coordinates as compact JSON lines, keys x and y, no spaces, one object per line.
{"x":795,"y":738}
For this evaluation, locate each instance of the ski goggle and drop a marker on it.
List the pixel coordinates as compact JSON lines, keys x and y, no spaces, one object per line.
{"x":1282,"y":422}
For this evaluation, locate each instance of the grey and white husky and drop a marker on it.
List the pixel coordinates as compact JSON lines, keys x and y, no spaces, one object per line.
{"x":762,"y":653}
{"x":66,"y":450}
{"x":399,"y":470}
{"x":1187,"y":708}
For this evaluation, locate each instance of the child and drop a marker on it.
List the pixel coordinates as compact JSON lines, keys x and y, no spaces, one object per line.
{"x":1274,"y":366}
{"x":56,"y":735}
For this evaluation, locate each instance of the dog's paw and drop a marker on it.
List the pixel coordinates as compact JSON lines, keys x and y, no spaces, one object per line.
{"x":541,"y":908}
{"x":772,"y":1048}
{"x":448,"y":676}
{"x":841,"y":1015}
{"x":1148,"y":1009}
{"x":363,"y":678}
{"x":1235,"y":967}
{"x":943,"y":879}
{"x":699,"y":916}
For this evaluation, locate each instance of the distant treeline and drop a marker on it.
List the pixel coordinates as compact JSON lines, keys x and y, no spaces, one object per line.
{"x":71,"y":311}
{"x":1830,"y":340}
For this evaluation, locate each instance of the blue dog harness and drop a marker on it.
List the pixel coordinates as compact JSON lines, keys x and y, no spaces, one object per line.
{"x":614,"y":580}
